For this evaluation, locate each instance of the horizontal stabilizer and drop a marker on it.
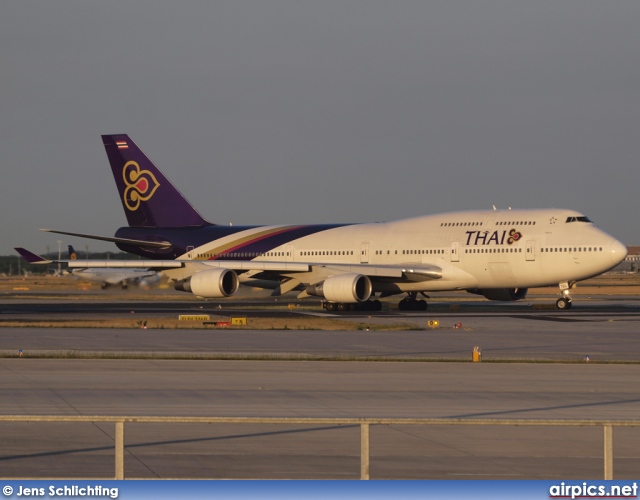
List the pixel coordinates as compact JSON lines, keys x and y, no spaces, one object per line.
{"x":124,"y":241}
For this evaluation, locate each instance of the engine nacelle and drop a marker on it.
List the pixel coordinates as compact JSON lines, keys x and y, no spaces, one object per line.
{"x":348,"y":288}
{"x":504,"y":294}
{"x":212,"y":283}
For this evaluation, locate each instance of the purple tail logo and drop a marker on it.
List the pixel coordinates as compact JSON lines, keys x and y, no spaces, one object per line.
{"x":140,"y":185}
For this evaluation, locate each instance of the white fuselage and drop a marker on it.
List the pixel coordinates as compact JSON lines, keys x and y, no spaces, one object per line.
{"x":474,"y":249}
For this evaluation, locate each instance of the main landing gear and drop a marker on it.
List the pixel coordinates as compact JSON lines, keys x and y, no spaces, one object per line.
{"x":564,"y":303}
{"x":410,"y":303}
{"x":369,"y":305}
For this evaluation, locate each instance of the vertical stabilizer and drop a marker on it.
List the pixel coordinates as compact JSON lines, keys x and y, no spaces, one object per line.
{"x":148,"y":198}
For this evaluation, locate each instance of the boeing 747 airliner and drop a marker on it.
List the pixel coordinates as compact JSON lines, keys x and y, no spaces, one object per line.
{"x":495,"y":253}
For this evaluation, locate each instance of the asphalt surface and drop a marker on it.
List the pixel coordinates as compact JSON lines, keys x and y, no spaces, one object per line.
{"x":522,"y":389}
{"x":316,"y":389}
{"x":596,"y":333}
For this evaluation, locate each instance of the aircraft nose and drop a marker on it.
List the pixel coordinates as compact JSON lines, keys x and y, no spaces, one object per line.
{"x":618,"y":252}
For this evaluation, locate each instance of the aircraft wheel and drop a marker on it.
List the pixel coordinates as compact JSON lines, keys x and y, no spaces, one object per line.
{"x":330,"y":306}
{"x":412,"y":305}
{"x":377,"y":305}
{"x":563,"y":304}
{"x":343,"y":307}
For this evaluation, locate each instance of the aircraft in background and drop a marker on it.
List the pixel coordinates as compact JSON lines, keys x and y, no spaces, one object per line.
{"x":108,"y":276}
{"x":495,"y":253}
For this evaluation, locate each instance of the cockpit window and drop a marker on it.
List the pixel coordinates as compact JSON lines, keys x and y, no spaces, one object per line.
{"x":578,"y":219}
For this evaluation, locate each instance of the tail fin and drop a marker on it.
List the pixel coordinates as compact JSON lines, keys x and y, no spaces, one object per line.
{"x":148,"y":198}
{"x":72,"y":253}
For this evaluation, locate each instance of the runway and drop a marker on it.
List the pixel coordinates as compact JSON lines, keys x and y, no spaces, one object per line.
{"x":273,"y":379}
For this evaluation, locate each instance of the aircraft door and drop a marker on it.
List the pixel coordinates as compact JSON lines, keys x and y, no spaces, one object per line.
{"x":289,"y":253}
{"x":455,"y":250}
{"x":531,"y":250}
{"x":364,"y":253}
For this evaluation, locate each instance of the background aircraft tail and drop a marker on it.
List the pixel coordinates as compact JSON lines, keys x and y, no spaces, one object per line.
{"x":148,"y":198}
{"x":72,"y":253}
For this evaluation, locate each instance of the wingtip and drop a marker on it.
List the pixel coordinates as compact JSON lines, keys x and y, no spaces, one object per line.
{"x":31,"y":257}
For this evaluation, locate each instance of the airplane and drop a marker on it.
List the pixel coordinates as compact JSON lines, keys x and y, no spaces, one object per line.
{"x":107,"y":276}
{"x":499,"y":254}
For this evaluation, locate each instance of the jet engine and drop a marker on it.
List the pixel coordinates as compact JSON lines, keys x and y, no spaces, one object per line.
{"x":346,"y":288}
{"x":213,"y":283}
{"x":504,"y":294}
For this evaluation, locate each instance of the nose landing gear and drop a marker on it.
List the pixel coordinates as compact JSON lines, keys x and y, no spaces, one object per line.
{"x":564,"y":303}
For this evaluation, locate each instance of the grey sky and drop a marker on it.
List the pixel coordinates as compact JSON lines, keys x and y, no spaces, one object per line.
{"x":268,"y":111}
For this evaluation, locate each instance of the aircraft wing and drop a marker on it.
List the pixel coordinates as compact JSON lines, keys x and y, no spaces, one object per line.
{"x":286,"y":281}
{"x":303,"y":272}
{"x":322,"y":270}
{"x":31,"y":257}
{"x":120,"y":264}
{"x":240,"y":265}
{"x":420,"y":272}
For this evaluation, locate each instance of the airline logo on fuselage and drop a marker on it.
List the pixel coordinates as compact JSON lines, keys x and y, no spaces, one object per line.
{"x":496,"y":238}
{"x":140,"y":185}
